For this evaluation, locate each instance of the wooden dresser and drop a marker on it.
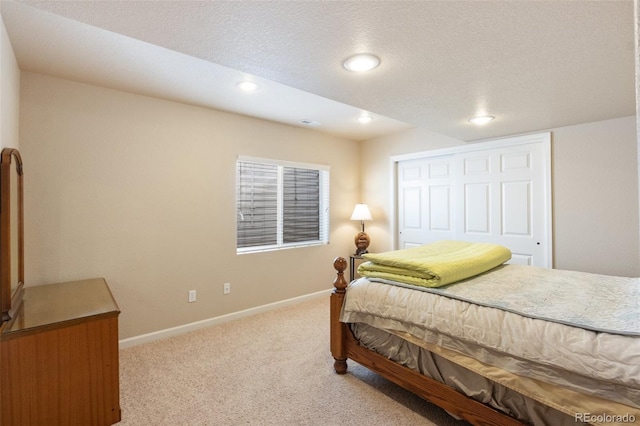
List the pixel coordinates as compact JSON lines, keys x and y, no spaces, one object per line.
{"x":59,"y":357}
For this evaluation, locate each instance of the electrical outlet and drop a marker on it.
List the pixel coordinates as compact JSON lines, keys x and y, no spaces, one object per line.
{"x":226,"y":288}
{"x":192,"y":296}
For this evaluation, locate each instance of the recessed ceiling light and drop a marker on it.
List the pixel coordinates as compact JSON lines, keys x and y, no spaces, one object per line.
{"x":480,"y":120}
{"x":361,"y":62}
{"x":248,"y":86}
{"x":310,"y":123}
{"x":364,"y":118}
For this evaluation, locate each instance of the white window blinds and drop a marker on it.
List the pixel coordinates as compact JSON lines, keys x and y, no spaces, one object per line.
{"x":281,"y":204}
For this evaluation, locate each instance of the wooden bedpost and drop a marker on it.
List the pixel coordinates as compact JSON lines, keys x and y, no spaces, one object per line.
{"x":338,"y":329}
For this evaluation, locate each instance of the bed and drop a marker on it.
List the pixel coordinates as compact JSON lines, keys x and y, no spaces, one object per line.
{"x":491,"y":343}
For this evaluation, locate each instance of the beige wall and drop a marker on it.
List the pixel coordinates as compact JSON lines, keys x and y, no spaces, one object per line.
{"x":595,"y":197}
{"x":595,"y":192}
{"x":141,"y":191}
{"x":636,"y":6}
{"x":9,"y":92}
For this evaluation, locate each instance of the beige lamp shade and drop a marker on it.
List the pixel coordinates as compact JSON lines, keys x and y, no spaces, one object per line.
{"x":361,"y":212}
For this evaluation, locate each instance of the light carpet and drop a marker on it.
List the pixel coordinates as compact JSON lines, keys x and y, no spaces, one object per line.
{"x":273,"y":368}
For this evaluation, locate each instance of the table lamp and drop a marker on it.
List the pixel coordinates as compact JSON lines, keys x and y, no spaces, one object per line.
{"x":361,"y":212}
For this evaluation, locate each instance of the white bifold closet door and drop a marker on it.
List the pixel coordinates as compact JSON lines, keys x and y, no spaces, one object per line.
{"x":496,"y":192}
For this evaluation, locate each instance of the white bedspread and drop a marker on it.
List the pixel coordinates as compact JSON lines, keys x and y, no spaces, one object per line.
{"x":596,"y":363}
{"x":580,"y":299}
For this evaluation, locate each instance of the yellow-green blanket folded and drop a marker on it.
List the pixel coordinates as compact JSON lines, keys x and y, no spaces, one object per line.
{"x":435,"y":264}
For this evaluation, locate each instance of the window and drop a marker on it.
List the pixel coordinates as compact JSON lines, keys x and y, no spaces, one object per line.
{"x":280,"y":204}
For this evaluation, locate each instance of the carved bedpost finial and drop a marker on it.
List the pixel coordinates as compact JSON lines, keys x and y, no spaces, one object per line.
{"x":340,"y":264}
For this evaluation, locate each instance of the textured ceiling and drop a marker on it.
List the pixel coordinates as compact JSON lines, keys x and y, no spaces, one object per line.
{"x":534,"y":65}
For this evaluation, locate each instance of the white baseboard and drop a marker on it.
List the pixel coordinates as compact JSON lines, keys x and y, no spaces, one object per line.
{"x":174,"y":331}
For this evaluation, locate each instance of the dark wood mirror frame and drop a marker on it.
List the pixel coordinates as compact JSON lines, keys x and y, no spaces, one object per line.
{"x":11,"y":232}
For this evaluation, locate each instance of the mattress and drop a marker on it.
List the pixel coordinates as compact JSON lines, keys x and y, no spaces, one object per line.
{"x":601,"y":365}
{"x":468,"y":382}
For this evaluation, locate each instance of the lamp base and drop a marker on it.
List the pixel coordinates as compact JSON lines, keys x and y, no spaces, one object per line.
{"x":362,"y":241}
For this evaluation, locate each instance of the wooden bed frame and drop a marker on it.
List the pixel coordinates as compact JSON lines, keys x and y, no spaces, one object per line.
{"x":344,"y":346}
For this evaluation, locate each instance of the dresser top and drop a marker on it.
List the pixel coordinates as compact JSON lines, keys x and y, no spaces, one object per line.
{"x":57,"y":304}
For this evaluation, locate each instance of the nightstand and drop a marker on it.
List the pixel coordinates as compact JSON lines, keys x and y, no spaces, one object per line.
{"x":352,"y":265}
